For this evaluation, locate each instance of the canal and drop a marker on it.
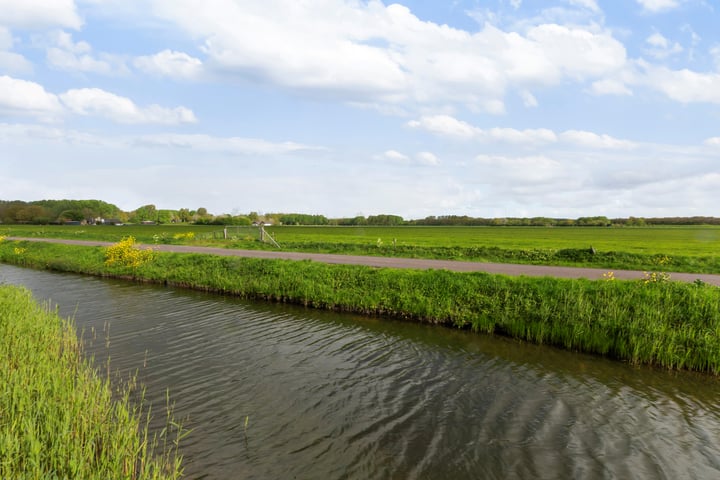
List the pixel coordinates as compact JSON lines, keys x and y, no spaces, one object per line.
{"x":274,"y":391}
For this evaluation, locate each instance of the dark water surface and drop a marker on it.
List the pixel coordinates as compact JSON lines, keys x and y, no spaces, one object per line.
{"x":330,"y":396}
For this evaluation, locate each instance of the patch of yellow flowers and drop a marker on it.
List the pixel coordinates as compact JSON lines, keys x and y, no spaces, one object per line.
{"x":126,"y":253}
{"x":184,"y":236}
{"x":655,"y":277}
{"x":609,"y":276}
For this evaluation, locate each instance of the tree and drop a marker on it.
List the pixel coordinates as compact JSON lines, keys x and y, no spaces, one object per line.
{"x":145,"y":213}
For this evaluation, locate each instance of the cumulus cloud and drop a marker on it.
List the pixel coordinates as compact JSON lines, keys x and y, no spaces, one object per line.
{"x":376,"y":54}
{"x":94,"y":101}
{"x":32,"y":14}
{"x":685,"y":86}
{"x":169,"y":63}
{"x":25,"y":98}
{"x":66,"y":54}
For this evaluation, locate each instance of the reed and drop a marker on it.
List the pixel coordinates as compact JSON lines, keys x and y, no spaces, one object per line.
{"x":58,"y":418}
{"x":670,"y":324}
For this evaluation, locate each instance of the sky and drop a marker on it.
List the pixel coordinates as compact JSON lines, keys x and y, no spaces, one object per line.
{"x":486,"y":108}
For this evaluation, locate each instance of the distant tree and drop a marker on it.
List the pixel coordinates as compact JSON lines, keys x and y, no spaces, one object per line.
{"x":144,"y":213}
{"x":385,"y":220}
{"x":184,"y":215}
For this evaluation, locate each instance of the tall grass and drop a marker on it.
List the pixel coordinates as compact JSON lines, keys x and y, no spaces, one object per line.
{"x":675,"y":325}
{"x":58,"y":418}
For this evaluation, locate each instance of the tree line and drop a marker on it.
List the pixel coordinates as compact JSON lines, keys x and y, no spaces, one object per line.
{"x":45,"y":212}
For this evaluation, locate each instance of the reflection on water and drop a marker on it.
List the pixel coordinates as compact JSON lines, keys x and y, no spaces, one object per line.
{"x":346,"y":397}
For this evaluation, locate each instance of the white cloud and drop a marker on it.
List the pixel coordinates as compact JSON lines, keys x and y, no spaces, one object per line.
{"x":588,"y":4}
{"x":655,"y":6}
{"x":610,"y":86}
{"x":579,"y":53}
{"x":230,"y":145}
{"x":713,"y":142}
{"x":27,"y":134}
{"x":446,"y":125}
{"x":6,"y":39}
{"x":375,"y":54}
{"x":420,"y":158}
{"x":15,"y":63}
{"x":528,"y":99}
{"x":593,"y":140}
{"x":427,"y":158}
{"x":527,"y":136}
{"x":22,"y":97}
{"x":169,"y":63}
{"x":10,"y":61}
{"x":685,"y":86}
{"x":66,"y":54}
{"x":660,"y":47}
{"x":395,"y":156}
{"x":715,"y":53}
{"x":39,"y":14}
{"x":94,"y":101}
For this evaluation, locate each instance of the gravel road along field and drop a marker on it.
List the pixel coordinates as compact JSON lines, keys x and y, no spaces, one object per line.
{"x":415,"y":263}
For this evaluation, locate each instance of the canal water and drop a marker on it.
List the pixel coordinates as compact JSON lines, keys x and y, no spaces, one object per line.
{"x":278,"y":392}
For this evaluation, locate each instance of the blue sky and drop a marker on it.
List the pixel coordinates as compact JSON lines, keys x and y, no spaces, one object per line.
{"x":346,"y":107}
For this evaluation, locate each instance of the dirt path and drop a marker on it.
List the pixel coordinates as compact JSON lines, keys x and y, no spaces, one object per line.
{"x":416,"y":263}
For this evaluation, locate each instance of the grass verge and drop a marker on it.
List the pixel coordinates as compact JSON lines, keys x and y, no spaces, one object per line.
{"x":671,"y":324}
{"x":58,"y":418}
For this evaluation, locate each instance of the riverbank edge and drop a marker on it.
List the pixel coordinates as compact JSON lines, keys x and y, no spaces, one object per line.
{"x":58,"y":418}
{"x":650,"y":321}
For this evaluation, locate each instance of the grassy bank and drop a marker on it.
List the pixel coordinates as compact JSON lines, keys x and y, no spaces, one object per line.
{"x":645,"y":322}
{"x":58,"y":419}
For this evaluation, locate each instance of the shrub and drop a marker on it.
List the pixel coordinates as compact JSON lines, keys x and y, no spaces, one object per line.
{"x":126,"y":253}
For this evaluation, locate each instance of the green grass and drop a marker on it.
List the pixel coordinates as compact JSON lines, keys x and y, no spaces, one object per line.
{"x":671,"y":324}
{"x":58,"y":418}
{"x":681,"y":249}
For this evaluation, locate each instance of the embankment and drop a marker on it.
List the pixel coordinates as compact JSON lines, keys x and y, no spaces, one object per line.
{"x":650,"y":321}
{"x":58,"y":418}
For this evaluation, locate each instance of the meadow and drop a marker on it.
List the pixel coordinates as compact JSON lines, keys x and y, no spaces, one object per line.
{"x":651,"y":321}
{"x":58,"y":417}
{"x":674,"y":248}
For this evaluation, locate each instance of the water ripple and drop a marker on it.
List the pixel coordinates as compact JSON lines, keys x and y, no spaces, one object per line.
{"x":272,"y":391}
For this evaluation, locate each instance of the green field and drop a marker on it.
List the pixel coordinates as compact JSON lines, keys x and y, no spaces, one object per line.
{"x":677,"y":248}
